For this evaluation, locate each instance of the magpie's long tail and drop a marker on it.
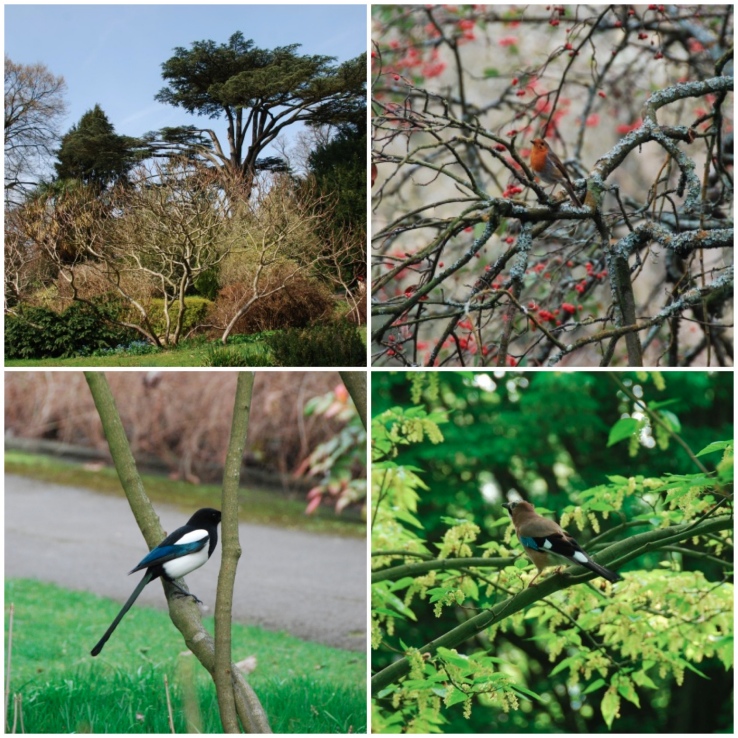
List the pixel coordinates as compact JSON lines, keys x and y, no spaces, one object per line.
{"x":136,"y":592}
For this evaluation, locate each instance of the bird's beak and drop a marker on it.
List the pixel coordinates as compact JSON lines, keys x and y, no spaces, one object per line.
{"x":506,"y":505}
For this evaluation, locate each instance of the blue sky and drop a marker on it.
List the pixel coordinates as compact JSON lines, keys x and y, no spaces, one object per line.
{"x":112,"y":54}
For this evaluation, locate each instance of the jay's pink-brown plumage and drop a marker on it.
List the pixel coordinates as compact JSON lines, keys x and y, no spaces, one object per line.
{"x":544,"y":539}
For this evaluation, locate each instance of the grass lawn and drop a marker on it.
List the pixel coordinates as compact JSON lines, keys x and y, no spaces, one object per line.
{"x":190,"y":353}
{"x":259,"y":506}
{"x":304,"y":687}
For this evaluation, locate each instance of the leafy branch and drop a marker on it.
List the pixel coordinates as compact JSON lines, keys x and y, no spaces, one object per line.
{"x":617,"y":554}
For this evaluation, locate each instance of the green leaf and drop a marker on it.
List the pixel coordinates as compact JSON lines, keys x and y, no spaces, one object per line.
{"x":626,"y":689}
{"x":617,"y":479}
{"x":623,"y":429}
{"x":715,"y":446}
{"x":671,"y":420}
{"x":643,"y":680}
{"x":693,"y":668}
{"x":385,"y":611}
{"x":438,"y":593}
{"x":408,"y":518}
{"x":457,"y":696}
{"x":452,"y":521}
{"x":562,"y":665}
{"x":453,"y":658}
{"x":470,"y":589}
{"x":401,"y":584}
{"x":398,"y":607}
{"x":610,"y":706}
{"x":596,"y":684}
{"x":489,"y":680}
{"x":526,"y":692}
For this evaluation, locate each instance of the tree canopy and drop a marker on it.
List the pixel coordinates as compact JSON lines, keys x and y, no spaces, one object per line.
{"x":92,"y":152}
{"x":259,"y":92}
{"x":339,"y":165}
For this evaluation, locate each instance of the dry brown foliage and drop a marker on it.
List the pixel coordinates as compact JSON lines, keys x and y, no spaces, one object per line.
{"x":25,"y":267}
{"x":287,"y":303}
{"x":182,"y":418}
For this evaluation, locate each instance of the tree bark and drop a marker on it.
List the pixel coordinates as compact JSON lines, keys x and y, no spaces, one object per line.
{"x":356,"y":385}
{"x":231,"y":553}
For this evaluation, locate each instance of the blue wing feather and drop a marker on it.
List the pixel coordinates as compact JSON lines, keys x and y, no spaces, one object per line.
{"x":162,"y":554}
{"x":529,"y":542}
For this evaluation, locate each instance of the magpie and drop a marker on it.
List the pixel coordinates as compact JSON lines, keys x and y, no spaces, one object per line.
{"x":181,"y":552}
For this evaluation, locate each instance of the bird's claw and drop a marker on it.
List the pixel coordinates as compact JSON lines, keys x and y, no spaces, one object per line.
{"x":178,"y":593}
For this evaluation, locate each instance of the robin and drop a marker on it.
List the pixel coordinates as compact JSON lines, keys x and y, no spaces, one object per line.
{"x":549,"y":168}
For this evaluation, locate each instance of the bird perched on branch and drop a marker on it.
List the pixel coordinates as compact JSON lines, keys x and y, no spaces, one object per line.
{"x":181,"y":552}
{"x":544,"y":540}
{"x":549,"y":168}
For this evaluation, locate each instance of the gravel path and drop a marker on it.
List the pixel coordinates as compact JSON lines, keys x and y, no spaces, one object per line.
{"x":311,"y":586}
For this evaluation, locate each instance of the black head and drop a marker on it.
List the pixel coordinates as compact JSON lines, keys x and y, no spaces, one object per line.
{"x":205,"y":517}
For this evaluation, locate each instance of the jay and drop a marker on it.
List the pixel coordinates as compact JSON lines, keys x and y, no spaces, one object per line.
{"x":543,"y":539}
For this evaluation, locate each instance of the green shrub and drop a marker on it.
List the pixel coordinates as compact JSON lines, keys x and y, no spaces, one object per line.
{"x":32,"y":334}
{"x":206,"y":284}
{"x":196,"y":310}
{"x":38,"y":333}
{"x":337,"y":343}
